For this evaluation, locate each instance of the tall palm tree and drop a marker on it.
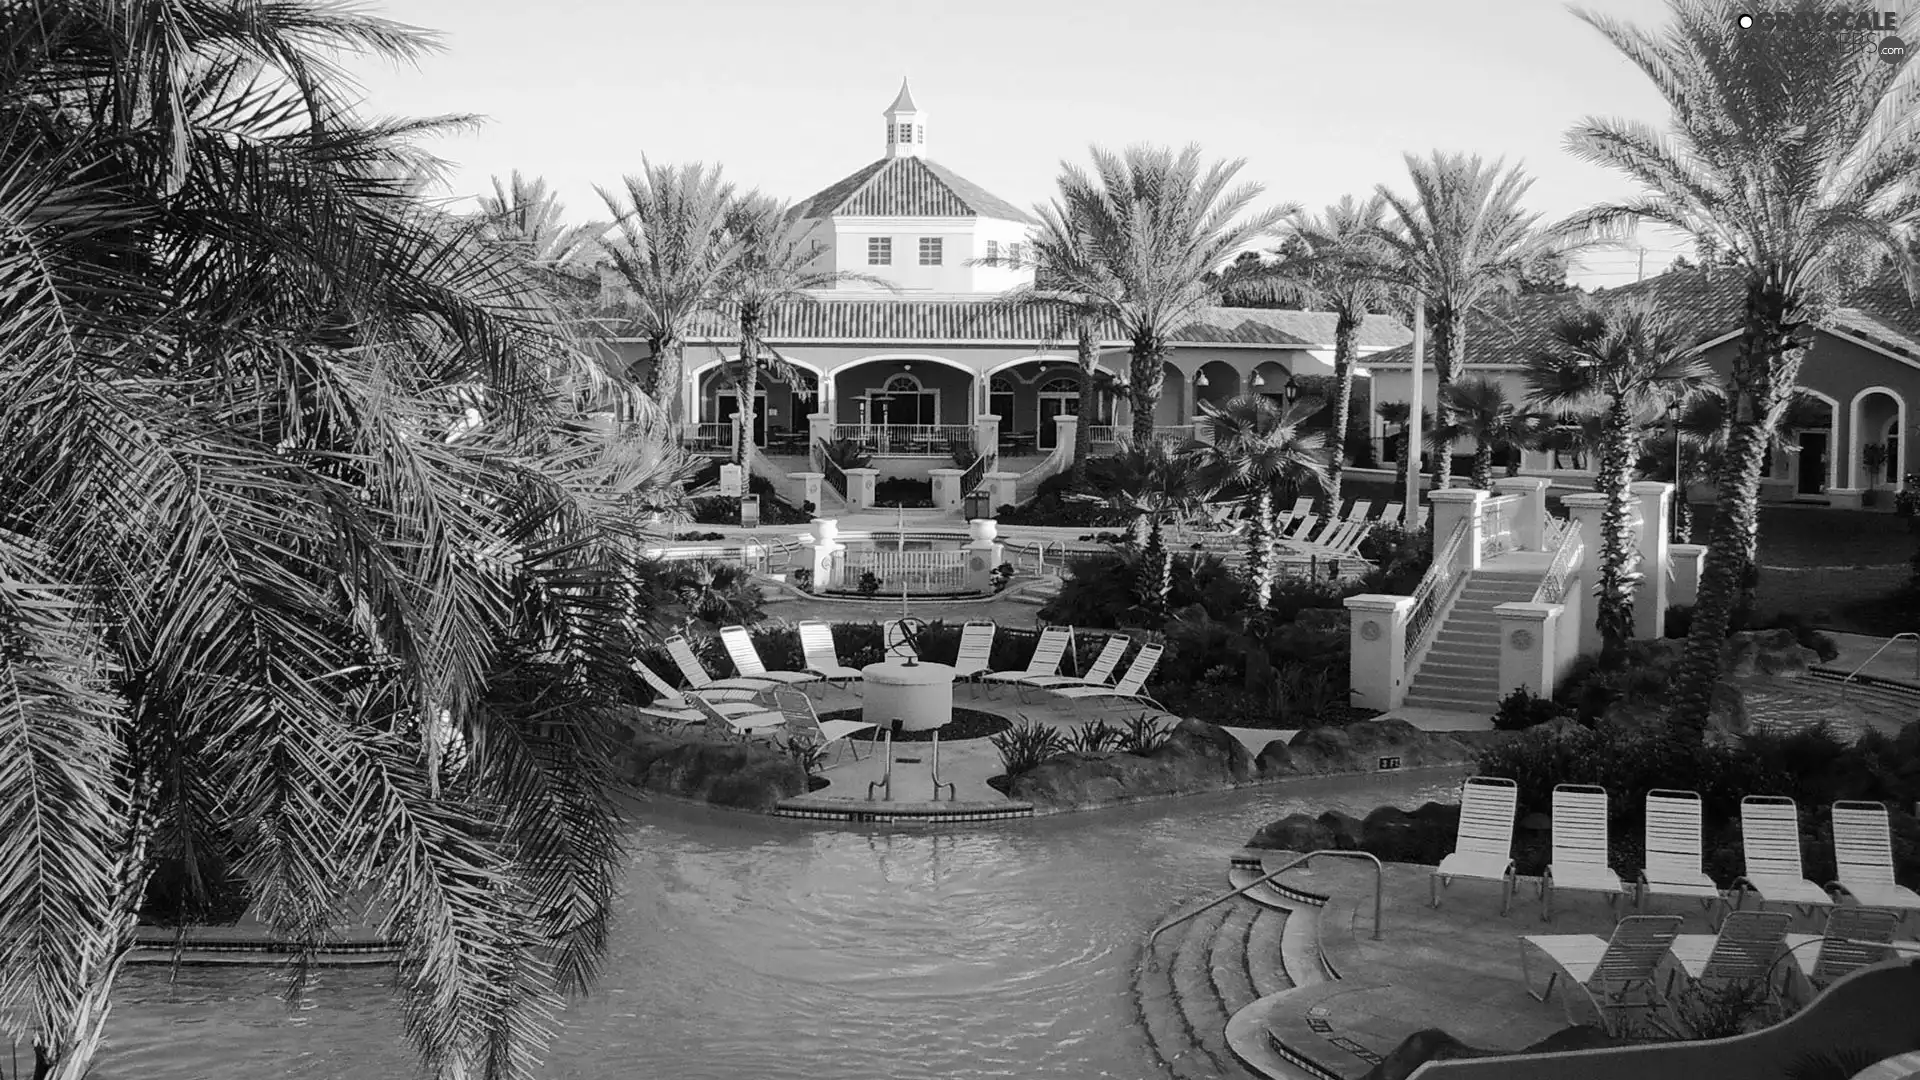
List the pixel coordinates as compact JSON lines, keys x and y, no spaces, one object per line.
{"x":528,"y":216}
{"x":1263,"y":450}
{"x":1396,"y":413}
{"x":1479,"y":409}
{"x":774,"y":267}
{"x":1460,"y":240}
{"x":672,"y":248}
{"x":260,"y":599}
{"x":1793,"y":155}
{"x":1341,"y":251}
{"x":1625,"y":358}
{"x":1156,"y":227}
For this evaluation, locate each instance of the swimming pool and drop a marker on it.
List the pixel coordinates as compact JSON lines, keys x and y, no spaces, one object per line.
{"x":756,"y":947}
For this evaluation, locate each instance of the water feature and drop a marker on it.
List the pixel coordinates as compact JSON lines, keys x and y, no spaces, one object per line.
{"x":755,"y":947}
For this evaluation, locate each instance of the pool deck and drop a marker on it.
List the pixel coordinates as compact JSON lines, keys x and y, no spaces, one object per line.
{"x":1456,"y":968}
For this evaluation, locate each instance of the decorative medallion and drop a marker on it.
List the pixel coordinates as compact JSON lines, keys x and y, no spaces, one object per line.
{"x":1522,"y":639}
{"x":978,"y":564}
{"x":1370,"y":630}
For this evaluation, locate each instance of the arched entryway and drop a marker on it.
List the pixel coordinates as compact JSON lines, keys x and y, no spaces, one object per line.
{"x":1808,"y":431}
{"x":1026,"y":396}
{"x":781,"y":407}
{"x":1216,"y":382}
{"x":1269,"y":380}
{"x":1876,"y":417}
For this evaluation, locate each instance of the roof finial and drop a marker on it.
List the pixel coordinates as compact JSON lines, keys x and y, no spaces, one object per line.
{"x":903,"y":102}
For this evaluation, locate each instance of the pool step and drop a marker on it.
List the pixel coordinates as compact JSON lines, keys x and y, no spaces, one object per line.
{"x":1202,"y":972}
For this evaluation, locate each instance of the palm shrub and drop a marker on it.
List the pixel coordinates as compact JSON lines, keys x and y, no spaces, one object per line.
{"x":1027,"y":745}
{"x":1478,"y":409}
{"x":1260,"y":448}
{"x":839,"y":455}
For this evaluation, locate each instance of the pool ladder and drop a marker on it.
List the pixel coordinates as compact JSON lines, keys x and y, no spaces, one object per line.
{"x":1378,"y":882}
{"x":885,"y":783}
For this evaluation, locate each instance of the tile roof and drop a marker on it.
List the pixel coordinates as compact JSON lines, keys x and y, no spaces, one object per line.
{"x":908,"y":187}
{"x":1515,"y":327}
{"x":978,"y":319}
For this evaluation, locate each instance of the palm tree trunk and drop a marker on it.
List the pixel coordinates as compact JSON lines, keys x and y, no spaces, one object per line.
{"x":1763,"y":374}
{"x":748,"y":380}
{"x":1260,"y":550}
{"x":1619,"y":575}
{"x":1157,"y":563}
{"x":1483,"y":464}
{"x":1400,"y":467}
{"x":666,"y":376}
{"x":1088,"y":354}
{"x":1449,"y":345}
{"x":1343,"y":330}
{"x":1147,"y":359}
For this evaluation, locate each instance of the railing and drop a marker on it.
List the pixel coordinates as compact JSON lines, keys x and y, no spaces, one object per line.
{"x":1435,"y":592}
{"x":1556,"y":529}
{"x":1847,"y":682}
{"x":906,"y":440}
{"x":708,"y":438}
{"x":1103,"y":435}
{"x":1498,"y":516}
{"x":912,"y":571}
{"x":1176,"y":432}
{"x":1379,"y":875}
{"x":1553,"y":587}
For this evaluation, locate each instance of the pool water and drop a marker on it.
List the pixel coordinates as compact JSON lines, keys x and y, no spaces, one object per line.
{"x":758,"y":947}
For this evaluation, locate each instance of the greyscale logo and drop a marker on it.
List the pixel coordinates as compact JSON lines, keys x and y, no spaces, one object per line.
{"x":1890,"y":48}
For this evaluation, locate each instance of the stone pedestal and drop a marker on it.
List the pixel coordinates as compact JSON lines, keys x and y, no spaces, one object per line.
{"x":1451,"y":506}
{"x":1650,"y":600}
{"x":1000,"y":486}
{"x":1199,"y":428}
{"x":1064,"y":427}
{"x":818,"y":551}
{"x":860,"y":488}
{"x":986,"y":435}
{"x":918,"y":695}
{"x":1528,"y":640}
{"x":1686,"y":561}
{"x":946,"y":488}
{"x":1844,"y":498}
{"x":1530,"y":526}
{"x":1377,"y":670}
{"x":1586,"y":509}
{"x":812,"y":481}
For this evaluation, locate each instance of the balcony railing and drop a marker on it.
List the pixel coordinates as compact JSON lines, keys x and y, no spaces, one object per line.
{"x":708,"y":437}
{"x":906,"y":440}
{"x":1175,"y":432}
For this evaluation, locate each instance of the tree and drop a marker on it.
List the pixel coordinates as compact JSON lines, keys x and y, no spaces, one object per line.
{"x":672,"y":248}
{"x":524,"y":214}
{"x":1397,"y":413}
{"x":309,"y":559}
{"x":1546,"y":277}
{"x":1478,"y":409}
{"x":1152,"y":483}
{"x":1157,"y":228}
{"x":1337,"y":256}
{"x":1260,"y":449}
{"x":1625,"y":358}
{"x":1460,"y":240}
{"x":1791,"y":154}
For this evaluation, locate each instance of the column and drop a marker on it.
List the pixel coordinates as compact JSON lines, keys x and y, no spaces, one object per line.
{"x":986,"y":434}
{"x":1000,"y":485}
{"x":986,"y":531}
{"x":860,"y":488}
{"x":1586,"y":509}
{"x":1530,"y":527}
{"x":1686,"y":560}
{"x":1064,"y":427}
{"x":818,"y":551}
{"x":946,"y":488}
{"x":1377,"y":670}
{"x":983,"y":554}
{"x":812,"y":481}
{"x":1527,"y":639}
{"x":1650,"y":599}
{"x":1451,"y":506}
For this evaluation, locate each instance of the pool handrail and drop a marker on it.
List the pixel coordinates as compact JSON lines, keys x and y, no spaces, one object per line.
{"x":1379,"y":878}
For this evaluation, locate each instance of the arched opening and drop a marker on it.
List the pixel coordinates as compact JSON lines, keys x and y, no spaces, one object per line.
{"x":1877,"y":415}
{"x":1808,"y":429}
{"x":1270,"y":380}
{"x":781,"y":407}
{"x":1000,"y":399}
{"x":1175,"y":408}
{"x":1216,"y":382}
{"x":905,"y":406}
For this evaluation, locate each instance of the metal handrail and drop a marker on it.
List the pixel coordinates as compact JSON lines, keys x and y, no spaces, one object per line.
{"x":1553,"y":586}
{"x":1428,"y":597}
{"x":1379,"y":878}
{"x":1884,"y":646}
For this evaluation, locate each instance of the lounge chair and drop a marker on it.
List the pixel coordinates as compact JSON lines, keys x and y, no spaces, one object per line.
{"x":1770,"y":840}
{"x":1483,"y":847}
{"x":1673,"y":850}
{"x":747,"y":662}
{"x":1863,"y":848}
{"x":1047,"y":654}
{"x":1360,"y":509}
{"x":805,"y":726}
{"x":1301,"y":508}
{"x":1607,"y":970}
{"x":1425,"y":515}
{"x":1579,"y":847}
{"x":695,"y":673}
{"x":676,"y":706}
{"x":1300,"y":527}
{"x":823,"y":657}
{"x":1100,"y":674}
{"x":760,"y":725}
{"x":1131,"y":687}
{"x":1392,"y":514}
{"x":976,"y":650}
{"x":1743,"y":951}
{"x":1855,"y":937}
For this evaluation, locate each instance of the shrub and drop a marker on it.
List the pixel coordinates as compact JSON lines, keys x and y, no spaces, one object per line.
{"x":1095,"y":738}
{"x":1144,"y":734}
{"x":1679,"y":620}
{"x":901,"y":491}
{"x":869,"y":583}
{"x":841,"y":455}
{"x":1523,"y":709}
{"x":1027,"y":745}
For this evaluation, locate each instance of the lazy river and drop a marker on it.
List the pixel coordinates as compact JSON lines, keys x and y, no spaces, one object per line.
{"x":758,"y":947}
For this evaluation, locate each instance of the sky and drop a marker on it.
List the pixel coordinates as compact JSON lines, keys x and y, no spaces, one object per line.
{"x":1320,"y":98}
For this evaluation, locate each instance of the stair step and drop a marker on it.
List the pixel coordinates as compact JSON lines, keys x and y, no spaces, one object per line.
{"x":1450,"y":703}
{"x":1447,"y":666}
{"x":1427,"y":681}
{"x":1468,"y":655}
{"x":1202,"y":1017}
{"x":1232,"y":982}
{"x":1264,"y":962}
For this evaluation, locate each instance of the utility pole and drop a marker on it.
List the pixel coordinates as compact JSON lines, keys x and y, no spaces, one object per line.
{"x":1641,"y":273}
{"x":1412,"y":449}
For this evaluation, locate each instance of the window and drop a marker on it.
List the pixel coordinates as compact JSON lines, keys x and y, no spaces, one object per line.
{"x":903,"y":133}
{"x":1000,"y":401}
{"x":993,"y":252}
{"x":879,"y":251}
{"x":1013,"y":255}
{"x":930,"y":251}
{"x":903,"y":384}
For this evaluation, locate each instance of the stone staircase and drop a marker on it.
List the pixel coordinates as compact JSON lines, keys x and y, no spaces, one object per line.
{"x":1200,"y":973}
{"x":1461,"y":671}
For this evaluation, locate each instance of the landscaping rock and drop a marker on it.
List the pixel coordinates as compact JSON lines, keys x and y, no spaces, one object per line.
{"x":1295,"y":832}
{"x":1768,"y":652}
{"x":1359,"y":747}
{"x":1197,"y":756}
{"x":736,"y":775}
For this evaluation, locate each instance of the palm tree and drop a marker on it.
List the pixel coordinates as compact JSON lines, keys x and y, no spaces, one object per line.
{"x":673,"y":250}
{"x":1459,"y":241}
{"x":1152,"y":483}
{"x":1793,"y":155}
{"x":1478,"y":409}
{"x":258,"y":598}
{"x":1627,"y":358}
{"x":1262,"y":449}
{"x":1701,"y":424}
{"x":526,"y":215}
{"x":1396,"y":413}
{"x":1341,"y":250}
{"x":1155,"y":228}
{"x":775,"y":266}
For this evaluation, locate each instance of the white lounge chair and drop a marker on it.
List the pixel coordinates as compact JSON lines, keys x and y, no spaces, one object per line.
{"x":759,"y":725}
{"x":1606,"y":970}
{"x":1770,"y":840}
{"x":823,"y":657}
{"x":1047,"y":654}
{"x":676,"y":706}
{"x":1863,"y":849}
{"x":1131,"y":687}
{"x":1099,"y":674}
{"x":1483,"y":847}
{"x":1579,"y":847}
{"x":1673,"y":857}
{"x":695,"y":673}
{"x":805,"y":725}
{"x":1359,"y":510}
{"x":1854,"y":937}
{"x":1743,"y":951}
{"x":747,"y":662}
{"x":975,"y":655}
{"x":1392,"y":514}
{"x":1301,"y":526}
{"x":1301,"y":508}
{"x":1425,"y":515}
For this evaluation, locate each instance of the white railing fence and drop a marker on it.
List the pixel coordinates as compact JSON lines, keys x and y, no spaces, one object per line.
{"x":1498,"y":518}
{"x":1175,"y":432}
{"x":907,"y":440}
{"x":915,"y":571}
{"x":707,"y":438}
{"x":1435,"y":592}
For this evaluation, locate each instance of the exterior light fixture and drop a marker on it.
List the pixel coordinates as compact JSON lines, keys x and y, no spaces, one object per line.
{"x":1259,"y":379}
{"x":1291,"y":390}
{"x":1200,"y":379}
